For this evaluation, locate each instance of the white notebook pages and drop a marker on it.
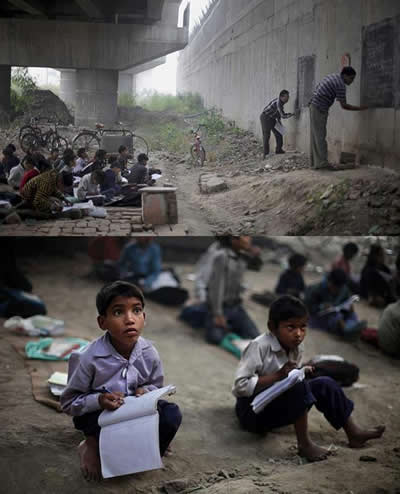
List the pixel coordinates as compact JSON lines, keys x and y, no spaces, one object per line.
{"x":129,"y":439}
{"x":265,"y":397}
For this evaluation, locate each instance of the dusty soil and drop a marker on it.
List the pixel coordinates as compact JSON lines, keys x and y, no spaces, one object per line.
{"x":211,"y":454}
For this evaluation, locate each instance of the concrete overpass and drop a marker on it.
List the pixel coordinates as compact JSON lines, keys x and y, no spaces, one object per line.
{"x":97,"y":38}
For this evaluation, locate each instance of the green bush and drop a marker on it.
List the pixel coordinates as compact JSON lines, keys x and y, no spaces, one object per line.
{"x":182,"y":104}
{"x":22,"y":87}
{"x":126,"y":99}
{"x":169,"y":137}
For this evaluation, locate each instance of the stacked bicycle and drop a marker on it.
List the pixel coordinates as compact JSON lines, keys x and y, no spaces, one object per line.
{"x":33,"y":136}
{"x":91,"y":139}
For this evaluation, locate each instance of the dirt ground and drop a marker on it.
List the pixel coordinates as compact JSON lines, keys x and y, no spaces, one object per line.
{"x":211,"y":454}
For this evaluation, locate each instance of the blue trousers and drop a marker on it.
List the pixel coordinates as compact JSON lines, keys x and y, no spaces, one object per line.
{"x":169,"y":422}
{"x":330,"y":321}
{"x":323,"y":392}
{"x":239,"y":322}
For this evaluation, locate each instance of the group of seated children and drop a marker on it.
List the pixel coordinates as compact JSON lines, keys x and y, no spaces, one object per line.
{"x":95,"y":177}
{"x":122,"y":363}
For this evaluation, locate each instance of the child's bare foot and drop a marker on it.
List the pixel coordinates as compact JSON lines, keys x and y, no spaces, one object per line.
{"x":312,"y":452}
{"x":358,"y":437}
{"x":168,"y":451}
{"x":90,"y":459}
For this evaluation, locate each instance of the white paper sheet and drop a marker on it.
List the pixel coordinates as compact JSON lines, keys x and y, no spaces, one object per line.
{"x":280,"y":128}
{"x":156,"y":176}
{"x":265,"y":397}
{"x":129,"y":440}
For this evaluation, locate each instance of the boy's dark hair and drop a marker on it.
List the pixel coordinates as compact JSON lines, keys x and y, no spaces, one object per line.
{"x":9,"y":150}
{"x":100,"y":154}
{"x":285,"y":308}
{"x":68,"y":154}
{"x":142,"y":157}
{"x":112,"y":159}
{"x":122,"y":148}
{"x":67,"y":179}
{"x":81,"y":152}
{"x":55,"y":150}
{"x":42,"y":163}
{"x":99,"y":175}
{"x":297,"y":261}
{"x":30,"y":158}
{"x":284,"y":92}
{"x":116,"y":289}
{"x":349,"y":71}
{"x":374,"y":252}
{"x":350,"y":250}
{"x":337,"y":277}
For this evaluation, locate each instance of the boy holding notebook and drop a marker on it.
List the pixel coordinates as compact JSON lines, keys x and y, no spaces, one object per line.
{"x":268,"y":359}
{"x":119,"y":363}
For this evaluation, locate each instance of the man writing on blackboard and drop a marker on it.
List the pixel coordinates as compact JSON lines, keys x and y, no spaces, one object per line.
{"x":331,"y":88}
{"x":271,"y":115}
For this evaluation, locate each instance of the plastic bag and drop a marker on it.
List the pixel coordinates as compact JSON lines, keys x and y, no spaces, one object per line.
{"x":36,"y":326}
{"x":42,"y":349}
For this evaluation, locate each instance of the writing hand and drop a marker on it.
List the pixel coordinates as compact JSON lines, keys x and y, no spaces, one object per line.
{"x":140,"y":391}
{"x":111,"y":401}
{"x":288,"y":367}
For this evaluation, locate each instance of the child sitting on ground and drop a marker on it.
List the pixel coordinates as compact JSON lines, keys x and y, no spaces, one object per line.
{"x":120,"y":361}
{"x":90,"y":184}
{"x":291,"y":281}
{"x":323,"y":298}
{"x":268,"y":359}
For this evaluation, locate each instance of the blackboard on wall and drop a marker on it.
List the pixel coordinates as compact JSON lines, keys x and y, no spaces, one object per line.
{"x":305,"y":80}
{"x":380,"y":74}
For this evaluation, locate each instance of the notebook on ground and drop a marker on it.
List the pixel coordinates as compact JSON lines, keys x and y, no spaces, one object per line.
{"x":129,"y":439}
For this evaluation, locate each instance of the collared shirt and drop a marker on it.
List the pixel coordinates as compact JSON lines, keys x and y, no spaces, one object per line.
{"x":318,"y":295}
{"x":16,"y":175}
{"x":139,"y":174}
{"x":87,"y":188}
{"x":330,"y":88}
{"x":263,"y":356}
{"x":80,"y":165}
{"x":100,"y":365}
{"x":225,"y":283}
{"x":389,"y":330}
{"x":38,"y":191}
{"x":275,"y":110}
{"x":144,"y":263}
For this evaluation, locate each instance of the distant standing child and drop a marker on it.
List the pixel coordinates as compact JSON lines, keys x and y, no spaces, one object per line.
{"x":291,"y":281}
{"x":328,"y":294}
{"x":268,"y":359}
{"x":273,"y":113}
{"x":120,"y":361}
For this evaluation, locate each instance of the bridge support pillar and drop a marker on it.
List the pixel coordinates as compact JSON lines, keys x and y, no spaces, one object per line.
{"x":5,"y":87}
{"x":96,"y":97}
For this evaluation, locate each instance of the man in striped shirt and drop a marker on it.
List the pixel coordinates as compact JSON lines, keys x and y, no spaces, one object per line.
{"x":272,"y":114}
{"x":331,"y":88}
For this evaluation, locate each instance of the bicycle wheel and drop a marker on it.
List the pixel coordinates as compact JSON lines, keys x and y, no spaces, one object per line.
{"x":29,"y":142}
{"x":26,"y":129}
{"x":139,"y":146}
{"x":59,"y":143}
{"x":87,"y":140}
{"x":198,"y":154}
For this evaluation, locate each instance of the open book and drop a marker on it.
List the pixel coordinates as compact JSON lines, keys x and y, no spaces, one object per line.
{"x":343,"y":306}
{"x":129,"y":440}
{"x":265,"y":397}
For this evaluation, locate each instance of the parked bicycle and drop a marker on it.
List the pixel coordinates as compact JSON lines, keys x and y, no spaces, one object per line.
{"x":91,"y":139}
{"x":197,"y":151}
{"x":31,"y":136}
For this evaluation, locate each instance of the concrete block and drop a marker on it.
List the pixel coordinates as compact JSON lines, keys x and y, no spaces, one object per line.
{"x":159,"y":206}
{"x":211,"y":184}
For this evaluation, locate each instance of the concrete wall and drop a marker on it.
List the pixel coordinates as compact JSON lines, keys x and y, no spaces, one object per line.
{"x":248,"y":50}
